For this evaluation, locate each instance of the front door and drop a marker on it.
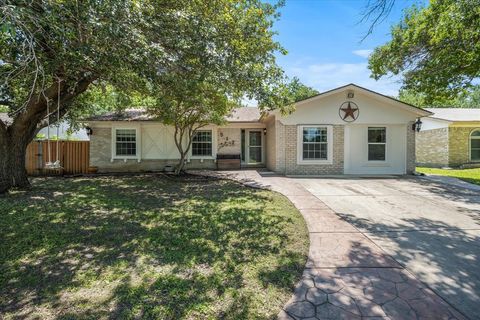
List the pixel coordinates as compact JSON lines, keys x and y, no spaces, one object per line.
{"x":254,"y":147}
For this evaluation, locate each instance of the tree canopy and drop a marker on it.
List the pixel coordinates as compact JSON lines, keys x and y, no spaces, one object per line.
{"x":434,"y":48}
{"x":469,"y":98}
{"x":298,"y":91}
{"x":53,"y":51}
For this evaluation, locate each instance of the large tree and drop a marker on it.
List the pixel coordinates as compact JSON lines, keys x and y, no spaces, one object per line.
{"x":434,"y":48}
{"x":52,"y":51}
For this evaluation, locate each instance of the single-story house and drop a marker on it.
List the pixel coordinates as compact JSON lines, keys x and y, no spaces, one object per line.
{"x":347,"y":130}
{"x":449,"y":138}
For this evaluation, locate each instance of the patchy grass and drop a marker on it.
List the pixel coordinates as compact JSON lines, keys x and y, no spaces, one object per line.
{"x":147,"y":247}
{"x":469,"y":175}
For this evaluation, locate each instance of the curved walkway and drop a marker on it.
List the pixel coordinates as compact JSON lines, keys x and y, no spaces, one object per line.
{"x":347,"y":276}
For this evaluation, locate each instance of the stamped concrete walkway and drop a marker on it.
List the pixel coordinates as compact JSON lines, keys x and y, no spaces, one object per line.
{"x":347,"y":276}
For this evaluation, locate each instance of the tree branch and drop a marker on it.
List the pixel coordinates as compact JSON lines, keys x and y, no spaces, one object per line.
{"x":376,"y":11}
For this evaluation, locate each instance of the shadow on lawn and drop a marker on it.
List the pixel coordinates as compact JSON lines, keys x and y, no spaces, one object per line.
{"x":156,"y":248}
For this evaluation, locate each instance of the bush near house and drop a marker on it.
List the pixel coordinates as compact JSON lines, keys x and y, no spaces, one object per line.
{"x":148,"y":247}
{"x":469,"y":175}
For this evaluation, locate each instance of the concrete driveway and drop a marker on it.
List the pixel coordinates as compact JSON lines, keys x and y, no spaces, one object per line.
{"x":431,"y":229}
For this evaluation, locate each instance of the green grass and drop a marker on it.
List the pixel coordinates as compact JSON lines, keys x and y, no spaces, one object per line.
{"x":147,"y":247}
{"x":469,"y":175}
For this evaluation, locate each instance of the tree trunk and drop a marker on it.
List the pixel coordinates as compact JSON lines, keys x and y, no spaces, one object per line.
{"x":15,"y":137}
{"x":12,"y":163}
{"x":181,"y":164}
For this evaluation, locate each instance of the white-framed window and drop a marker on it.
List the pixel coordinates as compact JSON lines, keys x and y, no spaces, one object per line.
{"x":315,"y":144}
{"x":125,"y":143}
{"x":202,"y":143}
{"x":377,"y":143}
{"x":475,"y":145}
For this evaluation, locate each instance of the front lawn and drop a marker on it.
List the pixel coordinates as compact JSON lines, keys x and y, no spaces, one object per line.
{"x":469,"y":175}
{"x":147,"y":247}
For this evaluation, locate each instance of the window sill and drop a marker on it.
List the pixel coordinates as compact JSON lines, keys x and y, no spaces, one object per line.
{"x":125,"y":159}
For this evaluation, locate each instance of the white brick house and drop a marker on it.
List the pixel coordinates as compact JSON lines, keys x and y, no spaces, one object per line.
{"x":347,"y":130}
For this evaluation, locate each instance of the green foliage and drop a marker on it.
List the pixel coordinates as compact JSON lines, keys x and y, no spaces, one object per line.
{"x":298,"y":91}
{"x":435,"y":49}
{"x":469,"y":98}
{"x":132,"y":46}
{"x":232,"y":58}
{"x":148,"y":247}
{"x":43,"y":41}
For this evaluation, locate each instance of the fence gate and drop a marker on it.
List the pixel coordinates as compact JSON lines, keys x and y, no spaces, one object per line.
{"x":73,"y":155}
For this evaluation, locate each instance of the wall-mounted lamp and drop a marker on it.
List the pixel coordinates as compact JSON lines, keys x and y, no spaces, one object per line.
{"x":89,"y":131}
{"x":417,"y":126}
{"x":264,"y":131}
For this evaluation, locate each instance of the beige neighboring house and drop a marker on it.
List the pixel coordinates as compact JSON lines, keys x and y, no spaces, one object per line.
{"x":449,"y":138}
{"x":347,"y":130}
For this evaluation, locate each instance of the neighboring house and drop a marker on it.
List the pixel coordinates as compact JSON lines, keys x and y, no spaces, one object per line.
{"x":347,"y":130}
{"x":449,"y":138}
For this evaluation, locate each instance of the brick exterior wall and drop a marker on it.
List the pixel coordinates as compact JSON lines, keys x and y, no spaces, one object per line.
{"x":280,"y":153}
{"x":101,"y":154}
{"x":459,"y":145}
{"x":432,"y":147}
{"x":290,"y":147}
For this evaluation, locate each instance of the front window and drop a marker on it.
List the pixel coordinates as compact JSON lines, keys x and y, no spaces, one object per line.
{"x":314,"y":143}
{"x":377,"y":143}
{"x":126,"y":142}
{"x":202,"y":143}
{"x":475,"y":145}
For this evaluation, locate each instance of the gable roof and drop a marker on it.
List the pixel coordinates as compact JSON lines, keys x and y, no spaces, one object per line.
{"x":455,"y":114}
{"x":241,"y":114}
{"x":404,"y":105}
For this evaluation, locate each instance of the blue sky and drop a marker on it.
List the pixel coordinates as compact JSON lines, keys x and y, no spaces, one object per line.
{"x":323,"y":40}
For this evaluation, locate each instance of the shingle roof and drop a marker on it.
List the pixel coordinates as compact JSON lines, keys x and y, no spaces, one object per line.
{"x":124,"y":115}
{"x":455,"y":114}
{"x":242,"y":114}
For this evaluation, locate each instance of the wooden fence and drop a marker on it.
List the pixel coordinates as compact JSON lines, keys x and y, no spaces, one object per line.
{"x":73,"y":155}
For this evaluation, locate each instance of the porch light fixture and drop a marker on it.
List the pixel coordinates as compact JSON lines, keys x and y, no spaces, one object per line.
{"x":89,"y":131}
{"x":417,"y":126}
{"x":264,"y":131}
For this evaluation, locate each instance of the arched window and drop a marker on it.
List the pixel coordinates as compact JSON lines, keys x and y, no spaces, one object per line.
{"x":475,"y":145}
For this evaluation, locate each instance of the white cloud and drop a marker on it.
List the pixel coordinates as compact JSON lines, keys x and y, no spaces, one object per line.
{"x":328,"y":76}
{"x":364,"y":53}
